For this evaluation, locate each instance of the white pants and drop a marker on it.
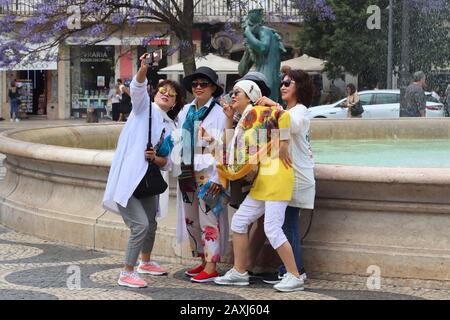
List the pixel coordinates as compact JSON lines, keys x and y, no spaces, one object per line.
{"x":250,"y":210}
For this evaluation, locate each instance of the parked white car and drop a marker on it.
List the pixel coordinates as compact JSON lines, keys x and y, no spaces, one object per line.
{"x":376,"y":104}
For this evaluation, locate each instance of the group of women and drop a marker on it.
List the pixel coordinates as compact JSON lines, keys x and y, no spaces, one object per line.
{"x":242,"y":146}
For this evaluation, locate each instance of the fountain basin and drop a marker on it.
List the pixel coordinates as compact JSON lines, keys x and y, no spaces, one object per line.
{"x":395,"y":218}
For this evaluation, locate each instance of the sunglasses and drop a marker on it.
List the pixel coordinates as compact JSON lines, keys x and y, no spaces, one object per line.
{"x":286,"y":83}
{"x":202,"y":84}
{"x":164,"y":90}
{"x":235,"y":93}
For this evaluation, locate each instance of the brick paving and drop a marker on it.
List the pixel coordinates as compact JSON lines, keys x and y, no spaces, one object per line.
{"x":32,"y":268}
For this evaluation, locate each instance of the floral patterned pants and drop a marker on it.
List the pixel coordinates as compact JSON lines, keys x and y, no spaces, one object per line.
{"x":203,"y":229}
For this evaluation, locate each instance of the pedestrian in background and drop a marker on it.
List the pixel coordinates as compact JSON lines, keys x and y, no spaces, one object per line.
{"x":416,"y":101}
{"x":447,"y":101}
{"x":115,"y":97}
{"x":352,"y":100}
{"x":13,"y":95}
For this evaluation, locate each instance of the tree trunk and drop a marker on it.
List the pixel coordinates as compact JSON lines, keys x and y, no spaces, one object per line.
{"x":405,"y":57}
{"x":184,"y":33}
{"x":187,"y":53}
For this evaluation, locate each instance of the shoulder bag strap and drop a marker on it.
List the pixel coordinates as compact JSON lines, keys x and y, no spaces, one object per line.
{"x":149,"y":143}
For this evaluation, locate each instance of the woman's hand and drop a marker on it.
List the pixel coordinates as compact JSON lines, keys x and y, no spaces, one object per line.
{"x":142,"y":59}
{"x":150,"y":155}
{"x":142,"y":73}
{"x":264,"y":101}
{"x":227,"y":109}
{"x":203,"y":135}
{"x":284,"y":155}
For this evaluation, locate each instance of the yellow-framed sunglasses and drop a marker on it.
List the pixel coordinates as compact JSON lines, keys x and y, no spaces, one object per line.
{"x":164,"y":90}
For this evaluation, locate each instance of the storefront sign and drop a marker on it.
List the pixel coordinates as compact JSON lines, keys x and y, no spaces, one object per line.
{"x":94,"y":56}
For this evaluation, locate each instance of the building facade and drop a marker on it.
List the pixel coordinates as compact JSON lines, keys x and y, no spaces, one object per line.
{"x":83,"y":76}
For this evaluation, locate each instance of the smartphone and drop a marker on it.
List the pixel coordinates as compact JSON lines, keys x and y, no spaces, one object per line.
{"x":154,"y":58}
{"x":228,"y":97}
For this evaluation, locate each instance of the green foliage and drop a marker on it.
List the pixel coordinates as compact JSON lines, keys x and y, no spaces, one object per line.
{"x":347,"y":43}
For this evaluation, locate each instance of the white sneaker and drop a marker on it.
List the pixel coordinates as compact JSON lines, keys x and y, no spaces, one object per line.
{"x":303,"y":276}
{"x":233,"y":278}
{"x":17,"y":120}
{"x":290,"y":283}
{"x":276,"y":278}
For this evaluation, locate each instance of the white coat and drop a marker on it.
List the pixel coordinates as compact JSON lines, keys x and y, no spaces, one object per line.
{"x":302,"y":159}
{"x":214,"y":124}
{"x":129,"y":164}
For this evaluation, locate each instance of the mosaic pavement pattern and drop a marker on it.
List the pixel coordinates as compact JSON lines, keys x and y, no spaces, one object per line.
{"x":35,"y":269}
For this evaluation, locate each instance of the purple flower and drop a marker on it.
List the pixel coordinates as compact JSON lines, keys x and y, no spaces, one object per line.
{"x":318,"y":8}
{"x":132,"y":20}
{"x":96,"y":30}
{"x":7,"y":23}
{"x":117,"y":18}
{"x":429,"y":6}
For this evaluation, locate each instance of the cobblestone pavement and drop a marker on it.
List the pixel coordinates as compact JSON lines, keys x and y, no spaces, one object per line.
{"x":32,"y":268}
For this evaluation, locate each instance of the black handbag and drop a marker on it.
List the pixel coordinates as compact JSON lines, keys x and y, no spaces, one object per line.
{"x":356,"y":109}
{"x":152,"y":183}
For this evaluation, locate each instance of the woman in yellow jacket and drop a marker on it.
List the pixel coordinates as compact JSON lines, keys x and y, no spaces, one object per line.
{"x":253,"y":140}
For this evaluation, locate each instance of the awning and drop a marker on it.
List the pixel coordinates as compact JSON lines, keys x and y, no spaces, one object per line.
{"x":305,"y":63}
{"x":219,"y":64}
{"x":120,"y":41}
{"x":46,"y":60}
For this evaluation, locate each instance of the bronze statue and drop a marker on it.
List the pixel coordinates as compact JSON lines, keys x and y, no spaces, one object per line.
{"x":263,"y":47}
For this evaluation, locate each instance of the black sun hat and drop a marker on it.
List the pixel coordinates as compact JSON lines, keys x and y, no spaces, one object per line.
{"x":203,"y":72}
{"x":260,"y":79}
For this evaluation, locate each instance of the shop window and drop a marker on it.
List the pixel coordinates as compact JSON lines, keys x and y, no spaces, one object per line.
{"x":92,"y":76}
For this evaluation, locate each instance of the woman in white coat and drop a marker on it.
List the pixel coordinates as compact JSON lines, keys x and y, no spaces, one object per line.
{"x":205,"y":227}
{"x":129,"y":165}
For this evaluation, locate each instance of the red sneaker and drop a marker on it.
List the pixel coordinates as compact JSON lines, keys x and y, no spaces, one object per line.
{"x":205,"y":277}
{"x":195,"y":271}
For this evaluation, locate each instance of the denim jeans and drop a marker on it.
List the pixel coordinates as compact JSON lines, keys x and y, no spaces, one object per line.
{"x":14,"y":109}
{"x":292,"y":231}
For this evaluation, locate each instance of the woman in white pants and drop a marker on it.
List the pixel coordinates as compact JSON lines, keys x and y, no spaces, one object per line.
{"x":271,"y":190}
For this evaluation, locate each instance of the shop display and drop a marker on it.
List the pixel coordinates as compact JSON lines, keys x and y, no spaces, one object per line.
{"x":26,"y":96}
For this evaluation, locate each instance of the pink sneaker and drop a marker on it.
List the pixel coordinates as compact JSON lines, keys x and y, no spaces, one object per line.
{"x":131,"y":279}
{"x":151,"y":268}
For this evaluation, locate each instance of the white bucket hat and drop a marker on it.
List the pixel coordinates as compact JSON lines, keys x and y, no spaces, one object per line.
{"x":250,"y":88}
